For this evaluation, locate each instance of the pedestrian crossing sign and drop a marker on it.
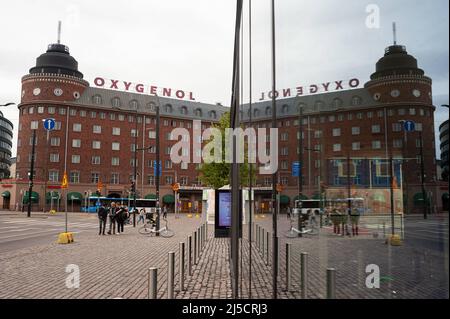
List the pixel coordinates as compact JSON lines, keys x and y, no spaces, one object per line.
{"x":65,"y":182}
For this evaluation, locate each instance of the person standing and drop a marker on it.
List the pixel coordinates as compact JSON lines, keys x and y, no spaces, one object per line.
{"x":165,"y":212}
{"x":122,"y":216}
{"x":102,"y":218}
{"x":141,"y":216}
{"x":112,"y":218}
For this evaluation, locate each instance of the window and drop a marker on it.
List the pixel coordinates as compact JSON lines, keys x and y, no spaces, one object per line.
{"x":376,"y":128}
{"x":356,"y":100}
{"x":359,"y":116}
{"x":284,"y":136}
{"x":93,"y":114}
{"x":115,"y":161}
{"x":336,"y":147}
{"x":112,"y":116}
{"x":115,"y":146}
{"x":114,"y":178}
{"x":168,"y":164}
{"x":95,"y":160}
{"x":115,"y":102}
{"x":183,"y":180}
{"x":82,"y":113}
{"x":376,"y":145}
{"x":76,"y":127}
{"x":54,"y":158}
{"x":336,"y":132}
{"x":412,"y":111}
{"x":31,"y":110}
{"x":74,"y":177}
{"x":62,"y":111}
{"x":121,"y":117}
{"x":369,"y":115}
{"x":132,"y":162}
{"x":54,"y":141}
{"x":284,"y":180}
{"x":167,"y":150}
{"x":76,"y":143}
{"x":51,"y":110}
{"x":356,"y":146}
{"x":130,"y":118}
{"x":398,"y":143}
{"x":73,"y":112}
{"x":401,"y":111}
{"x":331,"y":118}
{"x":116,"y":131}
{"x":169,"y":180}
{"x":267,"y":181}
{"x":349,"y":116}
{"x":152,"y":149}
{"x":422,"y":112}
{"x":95,"y":177}
{"x":96,"y":145}
{"x":75,"y":159}
{"x":40,"y":109}
{"x":390,"y":113}
{"x":97,"y":129}
{"x":97,"y":99}
{"x":284,"y":165}
{"x":53,"y":176}
{"x":340,"y":117}
{"x":380,"y":113}
{"x":418,"y":143}
{"x":285,"y":151}
{"x":102,"y":115}
{"x":152,"y":134}
{"x":317,"y":163}
{"x":34,"y":125}
{"x":396,"y":127}
{"x":317,"y":134}
{"x":184,"y":165}
{"x":134,"y":133}
{"x":356,"y":130}
{"x":150,"y":179}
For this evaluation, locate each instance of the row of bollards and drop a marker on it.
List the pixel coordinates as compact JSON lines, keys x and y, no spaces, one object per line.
{"x":262,"y":239}
{"x":330,"y":280}
{"x":195,"y":245}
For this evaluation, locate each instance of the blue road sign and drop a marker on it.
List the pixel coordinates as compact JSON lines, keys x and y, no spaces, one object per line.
{"x":49,"y":124}
{"x":154,"y":168}
{"x":410,"y":126}
{"x":296,"y":169}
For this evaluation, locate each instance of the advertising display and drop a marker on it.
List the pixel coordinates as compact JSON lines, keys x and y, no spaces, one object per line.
{"x":223,"y":213}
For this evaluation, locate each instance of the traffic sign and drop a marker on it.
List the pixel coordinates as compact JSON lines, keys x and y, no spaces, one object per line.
{"x":176,"y":187}
{"x":154,"y":168}
{"x":49,"y":124}
{"x":65,"y":182}
{"x":296,"y":169}
{"x":409,"y":126}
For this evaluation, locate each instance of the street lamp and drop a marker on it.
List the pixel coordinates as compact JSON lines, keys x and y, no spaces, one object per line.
{"x":300,"y":162}
{"x":30,"y":174}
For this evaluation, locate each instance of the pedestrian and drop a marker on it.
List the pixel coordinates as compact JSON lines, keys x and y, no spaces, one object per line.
{"x":142,"y":216}
{"x":354,"y":217}
{"x":288,"y":212}
{"x":164,"y":212}
{"x":121,"y":217}
{"x":112,"y":218}
{"x":102,"y":218}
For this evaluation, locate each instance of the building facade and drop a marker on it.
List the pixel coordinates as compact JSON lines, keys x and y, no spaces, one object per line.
{"x":348,"y":138}
{"x":6,"y":136}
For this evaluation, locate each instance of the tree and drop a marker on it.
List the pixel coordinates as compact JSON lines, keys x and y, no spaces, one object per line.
{"x":217,"y":175}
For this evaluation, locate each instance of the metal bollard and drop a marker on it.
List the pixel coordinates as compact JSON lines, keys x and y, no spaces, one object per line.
{"x":206,"y":231}
{"x":304,"y":274}
{"x":195,"y":248}
{"x":288,"y":267}
{"x":189,"y":252}
{"x":257,"y":235}
{"x":331,"y":283}
{"x":181,"y":266}
{"x":267,"y":247}
{"x":199,"y":231}
{"x":152,"y":282}
{"x":263,"y":251}
{"x":170,"y":275}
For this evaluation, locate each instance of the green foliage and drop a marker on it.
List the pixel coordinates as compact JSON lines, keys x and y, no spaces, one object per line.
{"x":217,"y":175}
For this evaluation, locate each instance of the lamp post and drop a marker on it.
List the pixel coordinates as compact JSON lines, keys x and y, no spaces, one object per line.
{"x":157,"y":169}
{"x":422,"y":178}
{"x":300,"y":161}
{"x":30,"y":189}
{"x":135,"y":168}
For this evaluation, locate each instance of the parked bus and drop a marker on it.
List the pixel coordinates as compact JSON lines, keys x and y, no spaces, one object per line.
{"x":93,"y":202}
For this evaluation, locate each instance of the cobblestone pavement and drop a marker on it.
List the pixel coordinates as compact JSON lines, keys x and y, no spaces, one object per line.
{"x":117,"y":267}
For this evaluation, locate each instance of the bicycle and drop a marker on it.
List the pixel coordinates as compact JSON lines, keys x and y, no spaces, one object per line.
{"x":149,"y":229}
{"x":313,"y":228}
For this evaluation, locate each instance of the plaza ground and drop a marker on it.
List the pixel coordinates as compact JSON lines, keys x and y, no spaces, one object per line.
{"x":33,"y":265}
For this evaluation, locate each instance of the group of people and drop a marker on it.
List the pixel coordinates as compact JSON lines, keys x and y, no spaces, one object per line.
{"x":116,"y":214}
{"x":341,"y":217}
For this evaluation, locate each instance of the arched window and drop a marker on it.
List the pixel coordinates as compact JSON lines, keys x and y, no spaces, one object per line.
{"x":134,"y":105}
{"x":337,"y":103}
{"x":168,"y":108}
{"x":318,"y":106}
{"x":151,"y":107}
{"x":183,"y":110}
{"x":356,"y":100}
{"x":285,"y":109}
{"x":97,"y":99}
{"x":268,"y":110}
{"x":213,"y":114}
{"x":115,"y":102}
{"x":256,"y":113}
{"x":198,"y":112}
{"x":301,"y":106}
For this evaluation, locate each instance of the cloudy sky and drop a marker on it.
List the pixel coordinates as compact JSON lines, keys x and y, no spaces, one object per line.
{"x":188,"y":44}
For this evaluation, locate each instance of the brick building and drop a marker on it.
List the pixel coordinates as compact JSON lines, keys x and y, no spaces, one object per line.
{"x":355,"y":130}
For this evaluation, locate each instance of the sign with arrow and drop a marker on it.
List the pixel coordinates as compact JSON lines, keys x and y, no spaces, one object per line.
{"x":49,"y":124}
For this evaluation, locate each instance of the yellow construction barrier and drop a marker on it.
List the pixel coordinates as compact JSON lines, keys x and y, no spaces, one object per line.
{"x":52,"y":212}
{"x":197,"y":216}
{"x":65,"y":238}
{"x":189,"y":215}
{"x":394,"y":240}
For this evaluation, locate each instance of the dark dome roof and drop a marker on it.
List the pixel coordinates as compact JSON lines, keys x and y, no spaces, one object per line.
{"x":57,"y":60}
{"x":396,"y":61}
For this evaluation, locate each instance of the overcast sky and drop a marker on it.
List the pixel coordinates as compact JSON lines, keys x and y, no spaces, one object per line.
{"x":189,"y":44}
